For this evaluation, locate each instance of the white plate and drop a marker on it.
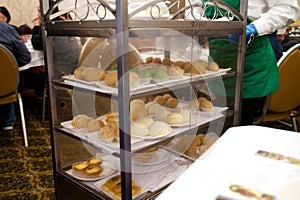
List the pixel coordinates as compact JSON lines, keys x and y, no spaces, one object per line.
{"x":95,"y":137}
{"x":158,"y":157}
{"x":188,"y":123}
{"x":68,"y":125}
{"x":72,"y":78}
{"x":209,"y":73}
{"x":148,"y":137}
{"x":106,"y":171}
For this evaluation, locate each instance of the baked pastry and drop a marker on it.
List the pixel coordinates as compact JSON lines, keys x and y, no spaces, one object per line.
{"x":111,"y":79}
{"x":175,"y":71}
{"x":206,"y":105}
{"x":167,"y":96}
{"x":166,"y":61}
{"x":79,"y":167}
{"x":93,"y":125}
{"x":162,"y":114}
{"x":174,"y":118}
{"x":160,"y":100}
{"x":106,"y":134}
{"x":213,"y":66}
{"x":93,"y":170}
{"x":81,"y":121}
{"x":94,"y":161}
{"x":172,"y":102}
{"x":113,"y":187}
{"x":138,"y":129}
{"x":112,"y":117}
{"x":159,"y":128}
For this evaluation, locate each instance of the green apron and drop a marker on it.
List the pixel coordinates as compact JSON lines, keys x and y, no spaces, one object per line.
{"x":260,"y":67}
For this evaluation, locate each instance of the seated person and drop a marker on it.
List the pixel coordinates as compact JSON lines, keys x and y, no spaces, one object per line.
{"x":34,"y":77}
{"x":5,"y":15}
{"x":25,"y":32}
{"x":13,"y":42}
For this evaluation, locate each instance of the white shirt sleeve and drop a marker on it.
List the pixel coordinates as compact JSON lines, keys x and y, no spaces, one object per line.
{"x":270,"y":15}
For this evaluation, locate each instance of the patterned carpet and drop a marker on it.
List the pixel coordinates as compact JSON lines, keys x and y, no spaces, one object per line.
{"x":26,"y":173}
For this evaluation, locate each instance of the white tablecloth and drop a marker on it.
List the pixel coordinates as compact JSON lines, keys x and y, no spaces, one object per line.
{"x":37,"y":57}
{"x":233,"y":160}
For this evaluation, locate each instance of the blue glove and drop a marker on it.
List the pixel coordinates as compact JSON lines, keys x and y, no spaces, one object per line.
{"x":251,"y":32}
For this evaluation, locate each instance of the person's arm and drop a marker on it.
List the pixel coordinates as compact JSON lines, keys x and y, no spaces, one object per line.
{"x":37,"y":39}
{"x":279,"y":13}
{"x":19,"y":48}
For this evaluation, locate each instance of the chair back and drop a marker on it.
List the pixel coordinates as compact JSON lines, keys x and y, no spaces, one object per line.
{"x":288,"y":95}
{"x":9,"y":75}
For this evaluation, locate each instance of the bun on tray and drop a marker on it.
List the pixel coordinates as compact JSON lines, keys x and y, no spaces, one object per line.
{"x":81,"y":121}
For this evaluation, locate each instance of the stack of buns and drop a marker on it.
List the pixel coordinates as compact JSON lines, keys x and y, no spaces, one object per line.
{"x":91,"y":167}
{"x":113,"y":187}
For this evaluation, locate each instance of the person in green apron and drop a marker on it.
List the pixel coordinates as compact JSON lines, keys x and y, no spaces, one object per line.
{"x":260,"y":67}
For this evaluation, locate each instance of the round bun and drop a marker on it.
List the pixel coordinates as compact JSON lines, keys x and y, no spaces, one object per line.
{"x":139,"y":129}
{"x":206,"y":104}
{"x":174,"y":118}
{"x":167,"y":96}
{"x":93,"y":170}
{"x":213,"y":66}
{"x":159,"y":128}
{"x":111,"y":79}
{"x":81,"y":121}
{"x":93,"y":125}
{"x":175,"y":71}
{"x":160,"y":100}
{"x":172,"y":102}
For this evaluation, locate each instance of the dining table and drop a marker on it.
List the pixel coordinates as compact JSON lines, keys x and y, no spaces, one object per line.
{"x":246,"y":163}
{"x":37,"y":57}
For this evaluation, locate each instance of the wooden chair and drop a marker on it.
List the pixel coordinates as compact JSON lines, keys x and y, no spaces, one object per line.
{"x":285,"y":103}
{"x":9,"y":81}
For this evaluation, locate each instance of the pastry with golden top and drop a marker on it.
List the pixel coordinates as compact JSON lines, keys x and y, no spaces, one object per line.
{"x":93,"y":170}
{"x":113,"y":187}
{"x":175,"y":71}
{"x":79,"y":167}
{"x":94,"y":161}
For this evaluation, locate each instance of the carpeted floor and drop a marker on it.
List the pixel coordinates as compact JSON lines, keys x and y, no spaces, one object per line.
{"x":26,"y":173}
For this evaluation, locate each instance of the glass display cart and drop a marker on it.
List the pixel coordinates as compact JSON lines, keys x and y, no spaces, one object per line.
{"x":138,"y":90}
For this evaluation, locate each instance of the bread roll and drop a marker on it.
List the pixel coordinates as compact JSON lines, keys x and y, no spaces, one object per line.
{"x":111,"y":79}
{"x":81,"y":121}
{"x":172,"y":102}
{"x":160,"y":100}
{"x":138,"y":129}
{"x":93,"y":125}
{"x":158,"y":128}
{"x":213,"y":66}
{"x":174,"y":118}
